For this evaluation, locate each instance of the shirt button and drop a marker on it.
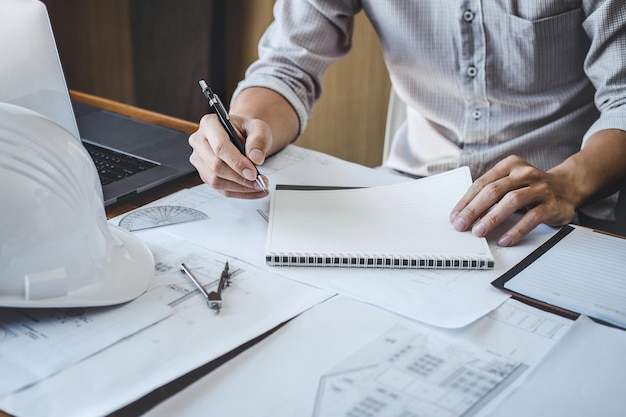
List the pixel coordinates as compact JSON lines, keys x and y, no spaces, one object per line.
{"x":468,"y":16}
{"x":471,"y":71}
{"x":476,"y":114}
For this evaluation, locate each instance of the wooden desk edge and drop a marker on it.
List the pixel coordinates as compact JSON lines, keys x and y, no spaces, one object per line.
{"x":134,"y":112}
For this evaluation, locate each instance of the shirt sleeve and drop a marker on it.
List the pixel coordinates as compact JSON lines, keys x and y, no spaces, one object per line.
{"x":297,"y":48}
{"x":605,"y":64}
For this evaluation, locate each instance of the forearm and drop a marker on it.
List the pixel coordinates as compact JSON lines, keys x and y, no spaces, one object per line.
{"x":273,"y":109}
{"x":597,"y":169}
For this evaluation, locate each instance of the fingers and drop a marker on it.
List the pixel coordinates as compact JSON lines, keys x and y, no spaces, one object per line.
{"x":512,"y":185}
{"x":219,"y":162}
{"x":258,"y":136}
{"x":510,"y":203}
{"x":501,"y":170}
{"x":486,"y":191}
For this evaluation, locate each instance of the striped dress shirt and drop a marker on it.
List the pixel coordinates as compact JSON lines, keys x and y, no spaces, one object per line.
{"x":482,"y":79}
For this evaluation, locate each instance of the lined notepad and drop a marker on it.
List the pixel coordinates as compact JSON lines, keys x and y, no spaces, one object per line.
{"x":404,"y":225}
{"x":578,"y":270}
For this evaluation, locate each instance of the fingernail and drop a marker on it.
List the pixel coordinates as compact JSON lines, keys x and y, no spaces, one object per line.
{"x":459,"y":224}
{"x":479,"y":230}
{"x":249,"y":174}
{"x":256,"y":156}
{"x":453,"y":215}
{"x":505,"y":241}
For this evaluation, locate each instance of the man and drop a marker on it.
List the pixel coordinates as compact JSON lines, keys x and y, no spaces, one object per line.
{"x":531,"y":95}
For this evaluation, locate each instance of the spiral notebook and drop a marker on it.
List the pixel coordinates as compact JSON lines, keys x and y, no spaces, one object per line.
{"x":404,"y":225}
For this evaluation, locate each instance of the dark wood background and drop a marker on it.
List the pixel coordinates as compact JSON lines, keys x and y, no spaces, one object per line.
{"x":151,"y":54}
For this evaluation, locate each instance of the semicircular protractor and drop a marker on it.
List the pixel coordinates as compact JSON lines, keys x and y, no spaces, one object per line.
{"x":150,"y":217}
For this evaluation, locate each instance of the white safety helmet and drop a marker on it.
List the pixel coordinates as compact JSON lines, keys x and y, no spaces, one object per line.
{"x":56,"y":247}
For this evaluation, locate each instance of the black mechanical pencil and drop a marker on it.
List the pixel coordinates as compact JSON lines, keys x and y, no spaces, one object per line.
{"x":222,"y":114}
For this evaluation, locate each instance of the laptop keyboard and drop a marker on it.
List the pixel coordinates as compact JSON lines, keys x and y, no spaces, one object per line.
{"x":113,"y":166}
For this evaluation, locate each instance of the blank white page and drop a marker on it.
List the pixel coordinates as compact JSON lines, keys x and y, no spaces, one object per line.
{"x":399,"y":220}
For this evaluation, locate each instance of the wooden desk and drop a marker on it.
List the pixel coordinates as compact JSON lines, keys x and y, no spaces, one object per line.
{"x":151,"y":117}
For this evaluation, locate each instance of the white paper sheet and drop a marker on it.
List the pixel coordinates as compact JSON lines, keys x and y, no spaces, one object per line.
{"x":441,"y":298}
{"x":37,"y":343}
{"x":193,"y":335}
{"x":445,"y":298}
{"x":261,"y":297}
{"x":281,"y":375}
{"x":584,"y":375}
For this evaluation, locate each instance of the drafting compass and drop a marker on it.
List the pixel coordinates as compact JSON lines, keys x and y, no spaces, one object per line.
{"x":149,"y":217}
{"x":213,"y":298}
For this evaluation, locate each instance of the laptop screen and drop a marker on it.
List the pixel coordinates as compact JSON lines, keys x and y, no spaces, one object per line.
{"x":31,"y":75}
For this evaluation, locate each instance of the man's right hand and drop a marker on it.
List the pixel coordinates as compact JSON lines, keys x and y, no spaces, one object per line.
{"x":219,"y":162}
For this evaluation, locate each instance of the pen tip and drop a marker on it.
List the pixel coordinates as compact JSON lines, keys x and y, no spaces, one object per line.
{"x":203,"y":84}
{"x":259,"y":181}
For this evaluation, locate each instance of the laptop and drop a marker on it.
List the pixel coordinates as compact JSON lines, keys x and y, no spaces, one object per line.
{"x":131,"y":156}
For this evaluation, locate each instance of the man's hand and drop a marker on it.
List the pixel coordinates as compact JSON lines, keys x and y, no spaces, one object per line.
{"x":265,"y":121}
{"x":219,"y":162}
{"x":514,"y":185}
{"x":551,"y":197}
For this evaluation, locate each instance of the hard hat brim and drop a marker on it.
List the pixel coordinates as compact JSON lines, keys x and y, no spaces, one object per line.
{"x":127,"y":275}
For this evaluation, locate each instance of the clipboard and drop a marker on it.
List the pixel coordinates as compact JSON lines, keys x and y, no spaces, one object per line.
{"x":501,"y":281}
{"x":550,"y":255}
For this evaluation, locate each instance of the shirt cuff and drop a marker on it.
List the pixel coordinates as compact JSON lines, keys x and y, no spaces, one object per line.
{"x":279,"y":87}
{"x":614,"y":118}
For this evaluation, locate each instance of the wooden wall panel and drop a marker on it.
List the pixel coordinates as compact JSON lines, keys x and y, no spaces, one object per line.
{"x":152,"y":53}
{"x":171,"y":42}
{"x":244,"y":21}
{"x":94,"y":43}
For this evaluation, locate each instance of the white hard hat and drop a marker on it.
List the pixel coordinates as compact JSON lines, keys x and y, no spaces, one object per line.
{"x":56,"y":247}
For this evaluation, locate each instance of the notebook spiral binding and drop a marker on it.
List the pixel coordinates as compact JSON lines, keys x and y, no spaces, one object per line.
{"x":394,"y":262}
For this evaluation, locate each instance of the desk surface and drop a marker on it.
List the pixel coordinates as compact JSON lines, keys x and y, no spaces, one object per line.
{"x":150,"y":117}
{"x":257,"y":284}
